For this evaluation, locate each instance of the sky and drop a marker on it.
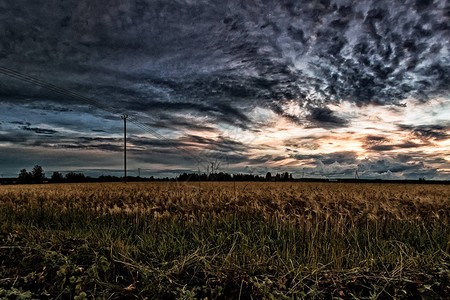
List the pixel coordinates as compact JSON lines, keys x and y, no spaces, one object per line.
{"x":315,"y":88}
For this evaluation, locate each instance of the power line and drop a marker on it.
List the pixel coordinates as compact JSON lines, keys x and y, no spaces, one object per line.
{"x":64,"y":92}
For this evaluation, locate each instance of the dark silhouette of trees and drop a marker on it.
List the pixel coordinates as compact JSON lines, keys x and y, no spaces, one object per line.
{"x":279,"y":177}
{"x":25,"y":177}
{"x":247,"y":177}
{"x":57,"y":177}
{"x":75,"y":177}
{"x":109,"y":178}
{"x":221,"y":176}
{"x":38,"y":174}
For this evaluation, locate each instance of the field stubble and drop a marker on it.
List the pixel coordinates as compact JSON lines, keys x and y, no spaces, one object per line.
{"x":224,"y":240}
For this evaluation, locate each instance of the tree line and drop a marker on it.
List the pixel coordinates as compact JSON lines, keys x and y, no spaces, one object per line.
{"x":221,"y":176}
{"x":37,"y":175}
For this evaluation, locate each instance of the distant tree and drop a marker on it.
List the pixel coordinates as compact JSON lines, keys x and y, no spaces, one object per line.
{"x":57,"y":177}
{"x":22,"y":175}
{"x":75,"y":177}
{"x":290,"y":177}
{"x":25,"y":177}
{"x":268,"y":176}
{"x":109,"y":178}
{"x":286,"y":176}
{"x":38,"y":174}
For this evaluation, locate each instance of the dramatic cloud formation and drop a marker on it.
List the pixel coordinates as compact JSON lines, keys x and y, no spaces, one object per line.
{"x":318,"y":87}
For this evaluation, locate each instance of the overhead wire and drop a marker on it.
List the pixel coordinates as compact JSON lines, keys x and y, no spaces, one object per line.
{"x":67,"y":93}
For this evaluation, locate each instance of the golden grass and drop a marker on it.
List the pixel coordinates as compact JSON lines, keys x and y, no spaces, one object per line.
{"x":261,"y":239}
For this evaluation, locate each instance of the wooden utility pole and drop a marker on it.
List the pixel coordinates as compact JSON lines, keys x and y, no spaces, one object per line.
{"x":124,"y":118}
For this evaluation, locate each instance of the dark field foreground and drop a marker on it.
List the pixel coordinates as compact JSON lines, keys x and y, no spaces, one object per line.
{"x":224,"y":240}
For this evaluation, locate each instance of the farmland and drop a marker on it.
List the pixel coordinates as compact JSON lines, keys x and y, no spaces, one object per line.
{"x":220,"y":240}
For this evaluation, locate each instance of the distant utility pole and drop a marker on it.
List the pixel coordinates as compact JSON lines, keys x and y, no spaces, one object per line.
{"x":139,"y":172}
{"x":124,"y":118}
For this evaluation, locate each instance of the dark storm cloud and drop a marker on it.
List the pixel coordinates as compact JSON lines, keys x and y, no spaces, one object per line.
{"x":382,"y":147}
{"x":419,"y":156}
{"x":427,"y":132}
{"x":381,"y":143}
{"x":389,"y":168}
{"x":405,"y":167}
{"x":38,"y":130}
{"x":219,"y":144}
{"x":168,"y":121}
{"x":201,"y":149}
{"x":408,"y":165}
{"x":375,"y":139}
{"x":325,"y":118}
{"x":389,"y":147}
{"x":264,"y":159}
{"x":377,"y":143}
{"x":20,"y":123}
{"x":218,"y":58}
{"x":347,"y":157}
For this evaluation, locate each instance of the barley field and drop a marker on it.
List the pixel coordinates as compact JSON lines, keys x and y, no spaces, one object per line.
{"x":216,"y":240}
